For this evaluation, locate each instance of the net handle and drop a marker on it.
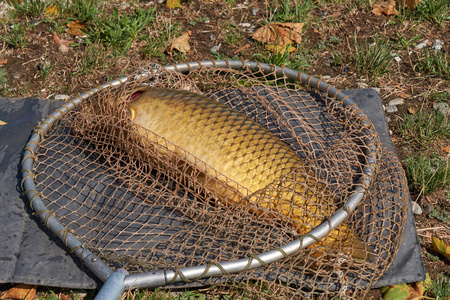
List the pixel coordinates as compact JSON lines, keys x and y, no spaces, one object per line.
{"x":165,"y":277}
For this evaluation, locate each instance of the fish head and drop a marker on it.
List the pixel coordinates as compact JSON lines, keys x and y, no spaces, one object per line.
{"x":134,"y":100}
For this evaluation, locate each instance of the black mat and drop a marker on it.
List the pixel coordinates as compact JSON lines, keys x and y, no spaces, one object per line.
{"x":30,"y":254}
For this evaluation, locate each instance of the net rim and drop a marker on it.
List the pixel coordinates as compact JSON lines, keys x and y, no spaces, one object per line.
{"x":165,"y":277}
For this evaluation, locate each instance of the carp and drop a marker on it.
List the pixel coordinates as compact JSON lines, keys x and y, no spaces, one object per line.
{"x":237,"y":159}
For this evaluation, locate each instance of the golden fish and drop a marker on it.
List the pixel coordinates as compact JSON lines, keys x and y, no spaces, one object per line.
{"x":236,"y":157}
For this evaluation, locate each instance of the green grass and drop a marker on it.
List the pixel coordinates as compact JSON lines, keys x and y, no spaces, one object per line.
{"x":16,"y":36}
{"x":290,"y":11}
{"x":119,"y":31}
{"x":298,"y":60}
{"x":32,"y":8}
{"x":82,"y":10}
{"x":435,"y":63}
{"x":373,"y":59}
{"x":436,"y":11}
{"x":440,"y":287}
{"x":439,"y":214}
{"x":405,"y":43}
{"x":94,"y":58}
{"x":423,"y":127}
{"x":3,"y":78}
{"x":45,"y":69}
{"x":232,"y":34}
{"x":441,"y":96}
{"x":427,"y":174}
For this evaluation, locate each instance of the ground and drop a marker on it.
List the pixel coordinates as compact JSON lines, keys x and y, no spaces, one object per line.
{"x":335,"y":38}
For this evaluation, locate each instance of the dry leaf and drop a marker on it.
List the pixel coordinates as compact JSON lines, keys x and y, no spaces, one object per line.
{"x":181,"y":43}
{"x":52,"y":11}
{"x":281,"y":34}
{"x":21,"y":291}
{"x":75,"y":28}
{"x":387,"y":8}
{"x":2,"y":123}
{"x":60,"y":41}
{"x":3,"y":61}
{"x":412,"y":4}
{"x":440,"y":247}
{"x":173,"y":4}
{"x":411,"y":110}
{"x":403,"y":95}
{"x":446,"y":149}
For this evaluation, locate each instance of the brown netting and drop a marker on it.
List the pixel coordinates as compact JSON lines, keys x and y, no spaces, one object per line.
{"x":143,"y":202}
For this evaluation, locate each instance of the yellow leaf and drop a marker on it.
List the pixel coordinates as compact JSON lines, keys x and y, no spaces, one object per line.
{"x":2,"y":123}
{"x":440,"y":247}
{"x":411,"y":110}
{"x":173,"y":4}
{"x":21,"y":291}
{"x":280,"y":49}
{"x":52,"y":11}
{"x":75,"y":28}
{"x":181,"y":43}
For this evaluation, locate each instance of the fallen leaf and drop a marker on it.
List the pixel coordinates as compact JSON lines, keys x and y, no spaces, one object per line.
{"x":21,"y":291}
{"x":387,"y":8}
{"x":281,"y":34}
{"x":2,"y":123}
{"x":52,"y":11}
{"x":173,"y":4}
{"x":3,"y":61}
{"x":60,"y":41}
{"x":181,"y":43}
{"x":440,"y":247}
{"x":406,"y":291}
{"x":280,"y":49}
{"x":411,"y":110}
{"x":446,"y":149}
{"x":403,"y":95}
{"x":76,"y":28}
{"x":412,"y":4}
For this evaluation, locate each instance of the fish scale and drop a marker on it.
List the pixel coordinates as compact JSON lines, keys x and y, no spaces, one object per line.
{"x":237,"y":157}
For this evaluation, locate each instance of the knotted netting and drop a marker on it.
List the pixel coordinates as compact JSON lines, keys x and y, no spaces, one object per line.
{"x":172,"y":171}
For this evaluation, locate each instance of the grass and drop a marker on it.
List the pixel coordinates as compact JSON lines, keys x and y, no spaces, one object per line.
{"x":93,"y":59}
{"x":435,"y":63}
{"x":423,"y":127}
{"x":439,"y":214}
{"x":442,"y":96}
{"x":16,"y":36}
{"x":82,"y":10}
{"x":373,"y":59}
{"x":119,"y":31}
{"x":291,"y":11}
{"x":440,"y":287}
{"x":3,"y":78}
{"x":436,"y":11}
{"x":427,"y":173}
{"x":32,"y":8}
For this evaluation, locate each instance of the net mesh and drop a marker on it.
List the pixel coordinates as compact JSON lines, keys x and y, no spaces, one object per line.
{"x":203,"y":184}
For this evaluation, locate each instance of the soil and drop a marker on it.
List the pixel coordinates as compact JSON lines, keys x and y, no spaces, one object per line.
{"x":331,"y":28}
